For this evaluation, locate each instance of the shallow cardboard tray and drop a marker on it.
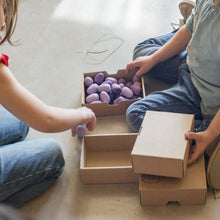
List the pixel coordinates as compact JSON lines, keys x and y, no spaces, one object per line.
{"x":161,"y":148}
{"x":106,"y":159}
{"x":105,"y":109}
{"x":190,"y":190}
{"x":116,"y":124}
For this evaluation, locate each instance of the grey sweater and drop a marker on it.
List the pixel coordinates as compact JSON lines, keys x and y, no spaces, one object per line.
{"x":204,"y":54}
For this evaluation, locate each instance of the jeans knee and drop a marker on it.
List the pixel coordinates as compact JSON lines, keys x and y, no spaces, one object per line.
{"x":54,"y":152}
{"x":129,"y":114}
{"x":133,"y":118}
{"x":144,"y":50}
{"x":55,"y":149}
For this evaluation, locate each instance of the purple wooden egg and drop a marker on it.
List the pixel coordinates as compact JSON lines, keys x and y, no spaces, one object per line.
{"x":80,"y":131}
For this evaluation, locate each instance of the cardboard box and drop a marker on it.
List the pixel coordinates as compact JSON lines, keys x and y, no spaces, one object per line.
{"x":161,"y":148}
{"x":190,"y":190}
{"x":116,"y":124}
{"x":105,"y":109}
{"x":106,"y":159}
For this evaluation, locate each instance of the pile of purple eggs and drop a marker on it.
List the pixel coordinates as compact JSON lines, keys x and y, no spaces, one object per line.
{"x":111,"y":90}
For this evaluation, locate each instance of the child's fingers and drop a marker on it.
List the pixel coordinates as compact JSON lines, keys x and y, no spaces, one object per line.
{"x":127,"y":69}
{"x":193,"y":157}
{"x":90,"y":126}
{"x":192,"y":149}
{"x":139,"y":72}
{"x":132,"y":65}
{"x":191,"y":135}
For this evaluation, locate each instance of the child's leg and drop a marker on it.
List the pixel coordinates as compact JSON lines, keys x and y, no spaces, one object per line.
{"x":186,"y":7}
{"x":28,"y":168}
{"x":213,"y":163}
{"x":181,"y":98}
{"x":167,"y":70}
{"x":11,"y":129}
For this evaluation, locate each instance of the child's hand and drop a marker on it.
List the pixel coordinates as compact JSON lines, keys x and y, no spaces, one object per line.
{"x":87,"y":117}
{"x":144,"y":64}
{"x":202,"y":140}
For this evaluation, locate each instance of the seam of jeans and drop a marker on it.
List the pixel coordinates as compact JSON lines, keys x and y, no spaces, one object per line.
{"x":28,"y":176}
{"x":174,"y":103}
{"x":15,"y":136}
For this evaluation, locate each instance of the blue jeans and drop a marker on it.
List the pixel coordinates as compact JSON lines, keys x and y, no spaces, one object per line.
{"x":27,"y":167}
{"x":182,"y":97}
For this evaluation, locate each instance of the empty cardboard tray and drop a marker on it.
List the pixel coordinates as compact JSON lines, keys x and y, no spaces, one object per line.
{"x":107,"y":159}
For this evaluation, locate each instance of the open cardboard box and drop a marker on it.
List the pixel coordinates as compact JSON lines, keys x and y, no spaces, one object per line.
{"x":190,"y":190}
{"x":107,"y":159}
{"x":161,"y":148}
{"x":116,"y":124}
{"x":105,"y":109}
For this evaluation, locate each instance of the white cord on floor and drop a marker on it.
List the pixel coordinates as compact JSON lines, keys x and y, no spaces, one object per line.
{"x":103,"y":38}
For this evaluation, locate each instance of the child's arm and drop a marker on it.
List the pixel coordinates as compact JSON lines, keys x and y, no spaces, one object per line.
{"x":175,"y":45}
{"x":204,"y":138}
{"x":34,"y":112}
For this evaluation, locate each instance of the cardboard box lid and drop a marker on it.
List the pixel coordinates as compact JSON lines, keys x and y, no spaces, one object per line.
{"x":161,"y":143}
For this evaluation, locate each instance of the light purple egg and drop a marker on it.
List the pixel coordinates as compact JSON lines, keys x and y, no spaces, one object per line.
{"x":104,"y":87}
{"x":128,"y":84}
{"x":119,"y":99}
{"x":99,"y":78}
{"x":88,"y":81}
{"x":112,"y":79}
{"x":104,"y":96}
{"x":122,"y":80}
{"x":92,"y":88}
{"x":116,"y":88}
{"x":92,"y":97}
{"x":136,"y":89}
{"x":127,"y":92}
{"x":137,"y":83}
{"x":121,"y":85}
{"x":107,"y":82}
{"x":80,"y":131}
{"x":136,"y":78}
